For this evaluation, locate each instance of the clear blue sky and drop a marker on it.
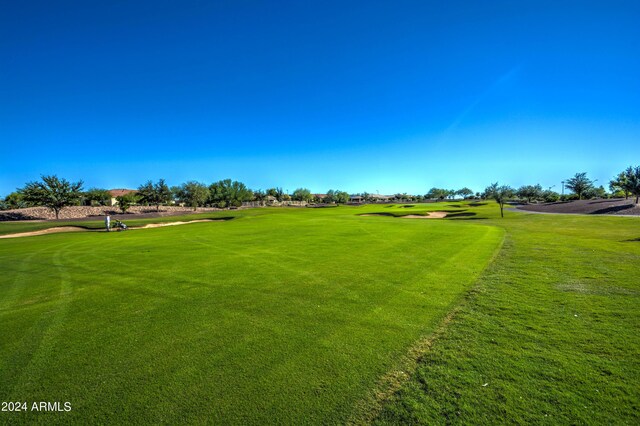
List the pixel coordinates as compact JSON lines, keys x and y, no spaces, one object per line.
{"x":388,"y":96}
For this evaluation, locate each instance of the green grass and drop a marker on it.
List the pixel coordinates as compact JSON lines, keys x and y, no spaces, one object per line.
{"x":551,"y":333}
{"x":317,"y":315}
{"x":277,"y":316}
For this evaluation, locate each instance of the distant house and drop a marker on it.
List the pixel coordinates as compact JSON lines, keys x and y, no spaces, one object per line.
{"x":380,"y":198}
{"x":356,"y":199}
{"x":118,"y":193}
{"x":319,"y":197}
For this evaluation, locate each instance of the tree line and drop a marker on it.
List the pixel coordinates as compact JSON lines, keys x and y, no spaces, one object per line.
{"x":56,"y":193}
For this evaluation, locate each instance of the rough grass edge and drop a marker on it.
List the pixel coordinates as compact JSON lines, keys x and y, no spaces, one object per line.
{"x":367,"y":409}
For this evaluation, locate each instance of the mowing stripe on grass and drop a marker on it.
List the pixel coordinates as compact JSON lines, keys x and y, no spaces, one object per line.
{"x":279,"y":316}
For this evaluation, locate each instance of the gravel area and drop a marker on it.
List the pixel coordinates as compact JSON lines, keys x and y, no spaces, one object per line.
{"x":617,"y":206}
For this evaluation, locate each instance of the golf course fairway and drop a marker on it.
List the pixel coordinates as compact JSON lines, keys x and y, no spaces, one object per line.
{"x":275,"y":316}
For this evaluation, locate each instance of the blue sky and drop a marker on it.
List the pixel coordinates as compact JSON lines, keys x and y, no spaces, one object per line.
{"x":388,"y":96}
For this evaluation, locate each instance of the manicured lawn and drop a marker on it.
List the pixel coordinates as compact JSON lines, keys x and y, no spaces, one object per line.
{"x":276,"y":316}
{"x":551,"y":334}
{"x":317,"y":315}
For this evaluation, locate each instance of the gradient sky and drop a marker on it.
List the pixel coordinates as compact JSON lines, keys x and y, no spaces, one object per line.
{"x":388,"y":96}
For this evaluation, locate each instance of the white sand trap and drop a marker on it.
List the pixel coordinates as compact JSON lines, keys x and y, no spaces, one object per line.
{"x":79,"y":229}
{"x":159,"y":225}
{"x":432,"y":215}
{"x":46,"y":231}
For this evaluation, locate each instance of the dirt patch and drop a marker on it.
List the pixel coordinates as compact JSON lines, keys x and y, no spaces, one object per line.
{"x":46,"y":231}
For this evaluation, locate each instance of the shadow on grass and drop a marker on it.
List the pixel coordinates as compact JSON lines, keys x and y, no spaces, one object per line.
{"x":407,"y":206}
{"x":378,"y":214}
{"x":477,"y":204}
{"x":461,"y":215}
{"x":321,"y":206}
{"x":632,"y":240}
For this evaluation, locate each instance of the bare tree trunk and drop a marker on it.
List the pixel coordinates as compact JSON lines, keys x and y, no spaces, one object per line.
{"x":501,"y":210}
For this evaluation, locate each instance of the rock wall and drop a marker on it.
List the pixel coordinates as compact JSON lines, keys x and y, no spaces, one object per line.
{"x":79,"y":212}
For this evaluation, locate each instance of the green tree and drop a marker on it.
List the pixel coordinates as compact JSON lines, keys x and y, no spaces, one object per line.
{"x":530,"y":192}
{"x":192,"y":194}
{"x":337,"y":196}
{"x":302,"y":194}
{"x":228,"y":193}
{"x":16,"y":200}
{"x":330,"y":196}
{"x":549,"y":196}
{"x":341,"y":197}
{"x":499,"y":193}
{"x":633,"y":181}
{"x":437,"y":194}
{"x":579,"y":184}
{"x":154,"y":194}
{"x":595,"y":192}
{"x":464,"y":192}
{"x":259,"y":195}
{"x":276,"y":192}
{"x":125,"y":201}
{"x":101,"y":197}
{"x":53,"y":193}
{"x":621,"y":184}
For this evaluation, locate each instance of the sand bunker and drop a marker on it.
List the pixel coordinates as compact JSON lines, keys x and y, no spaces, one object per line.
{"x":80,"y":229}
{"x":158,"y":225}
{"x":431,"y":215}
